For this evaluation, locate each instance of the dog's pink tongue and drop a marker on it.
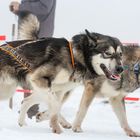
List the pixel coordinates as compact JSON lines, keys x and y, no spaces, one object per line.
{"x":115,"y":77}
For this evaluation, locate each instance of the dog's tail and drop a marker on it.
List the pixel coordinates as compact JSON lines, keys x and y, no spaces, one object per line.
{"x":28,"y":27}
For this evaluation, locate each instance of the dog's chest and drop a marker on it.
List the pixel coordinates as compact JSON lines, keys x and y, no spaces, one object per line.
{"x":62,"y":82}
{"x":61,"y":77}
{"x":109,"y":90}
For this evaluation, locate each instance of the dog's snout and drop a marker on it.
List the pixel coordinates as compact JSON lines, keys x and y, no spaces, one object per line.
{"x":119,"y":69}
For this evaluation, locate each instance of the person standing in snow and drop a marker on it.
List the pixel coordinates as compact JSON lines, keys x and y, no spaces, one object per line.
{"x":43,"y":9}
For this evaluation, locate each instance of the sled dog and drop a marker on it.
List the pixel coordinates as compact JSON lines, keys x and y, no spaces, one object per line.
{"x":114,"y":90}
{"x":54,"y":66}
{"x":108,"y":83}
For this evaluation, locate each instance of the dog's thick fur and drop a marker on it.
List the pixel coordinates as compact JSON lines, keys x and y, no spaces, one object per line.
{"x":28,"y":26}
{"x":52,"y":70}
{"x":114,"y":90}
{"x":50,"y":73}
{"x":98,"y":62}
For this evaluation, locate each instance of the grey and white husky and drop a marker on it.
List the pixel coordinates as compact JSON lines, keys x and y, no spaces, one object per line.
{"x":105,"y":59}
{"x":114,"y":77}
{"x":114,"y":90}
{"x":52,"y":70}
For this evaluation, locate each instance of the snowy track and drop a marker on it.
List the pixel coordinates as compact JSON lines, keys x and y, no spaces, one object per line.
{"x":99,"y":124}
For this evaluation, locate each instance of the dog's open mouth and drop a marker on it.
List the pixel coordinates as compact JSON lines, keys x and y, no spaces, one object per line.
{"x":108,"y":73}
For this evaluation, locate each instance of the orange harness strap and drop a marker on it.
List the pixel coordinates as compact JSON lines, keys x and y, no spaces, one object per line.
{"x":71,"y":54}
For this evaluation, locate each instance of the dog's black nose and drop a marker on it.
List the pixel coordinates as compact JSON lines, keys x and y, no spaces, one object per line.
{"x":119,"y":69}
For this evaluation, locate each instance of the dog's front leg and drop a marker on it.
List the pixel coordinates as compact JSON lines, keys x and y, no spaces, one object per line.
{"x":118,"y":106}
{"x":87,"y":97}
{"x":45,"y":115}
{"x":54,"y":106}
{"x":41,"y":82}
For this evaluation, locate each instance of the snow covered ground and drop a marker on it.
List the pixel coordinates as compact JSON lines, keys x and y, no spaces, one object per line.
{"x":99,"y":124}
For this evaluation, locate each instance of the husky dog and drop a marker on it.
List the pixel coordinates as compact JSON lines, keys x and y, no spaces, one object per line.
{"x":99,"y":63}
{"x":107,"y":60}
{"x":115,"y":90}
{"x":52,"y":70}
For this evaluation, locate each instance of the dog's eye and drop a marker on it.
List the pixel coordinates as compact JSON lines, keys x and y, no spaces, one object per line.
{"x":108,"y":53}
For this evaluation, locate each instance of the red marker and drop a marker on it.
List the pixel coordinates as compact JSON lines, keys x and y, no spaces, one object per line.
{"x":132,"y":98}
{"x":2,"y":37}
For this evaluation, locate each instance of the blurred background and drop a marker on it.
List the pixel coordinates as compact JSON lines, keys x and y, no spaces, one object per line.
{"x":119,"y":18}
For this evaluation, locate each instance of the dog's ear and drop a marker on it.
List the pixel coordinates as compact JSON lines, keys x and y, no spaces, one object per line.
{"x":91,"y":37}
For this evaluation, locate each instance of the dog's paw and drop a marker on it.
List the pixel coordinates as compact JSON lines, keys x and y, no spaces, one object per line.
{"x":56,"y":130}
{"x":66,"y":125}
{"x":41,"y":116}
{"x":129,"y":132}
{"x":77,"y":129}
{"x":21,"y":124}
{"x":133,"y":134}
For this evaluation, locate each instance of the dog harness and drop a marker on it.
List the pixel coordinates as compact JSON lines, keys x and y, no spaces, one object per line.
{"x":11,"y":51}
{"x":71,"y":54}
{"x":8,"y":49}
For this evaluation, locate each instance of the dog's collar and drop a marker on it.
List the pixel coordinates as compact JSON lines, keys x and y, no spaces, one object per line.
{"x":8,"y":49}
{"x":71,"y":54}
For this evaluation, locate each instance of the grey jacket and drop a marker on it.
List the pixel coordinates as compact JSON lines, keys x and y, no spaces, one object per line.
{"x":45,"y":12}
